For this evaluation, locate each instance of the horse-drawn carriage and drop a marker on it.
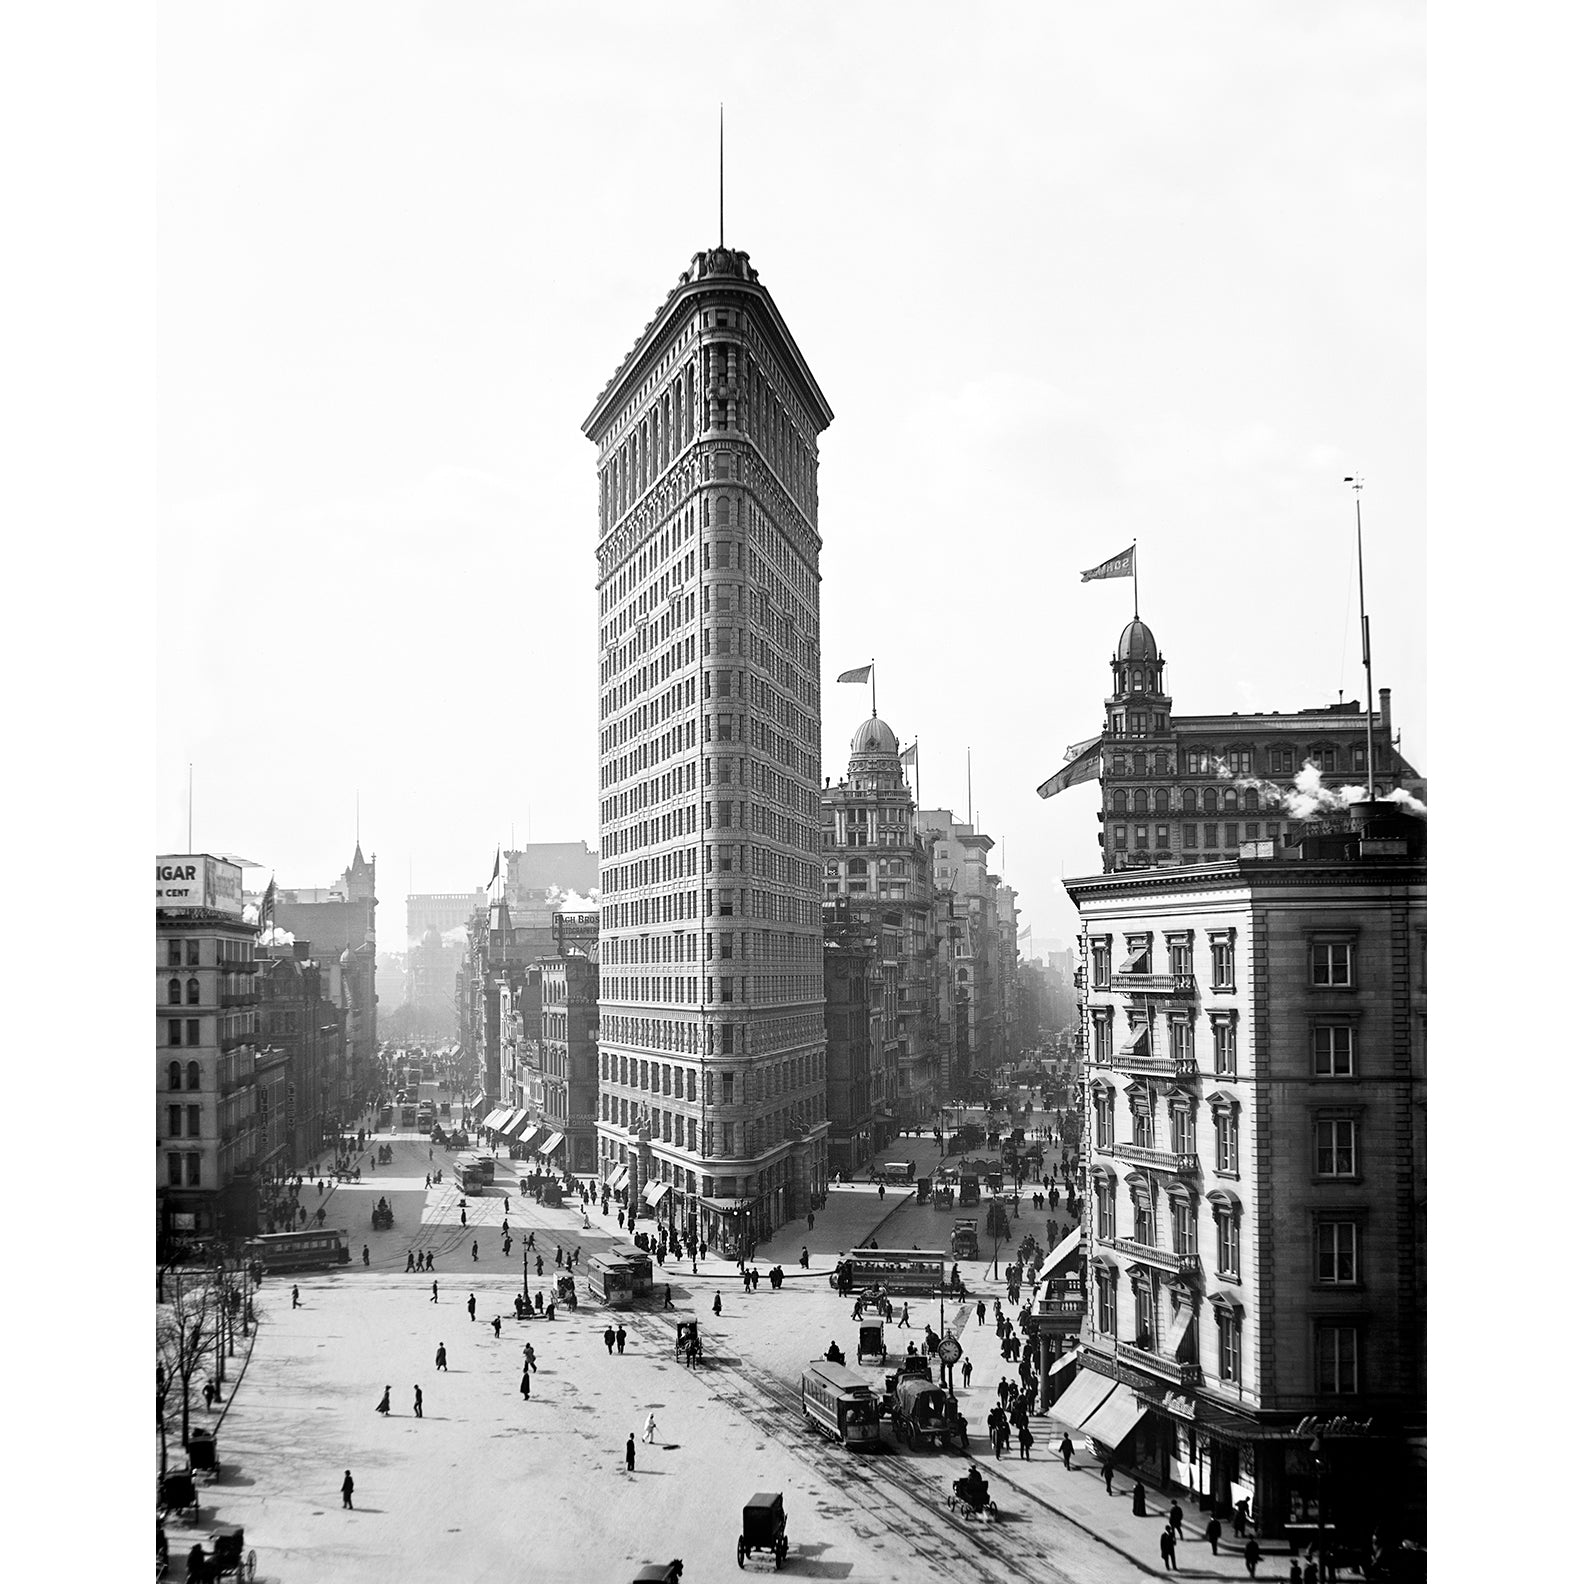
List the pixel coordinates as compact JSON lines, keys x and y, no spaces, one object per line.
{"x":383,"y":1218}
{"x":970,"y":1496}
{"x":689,"y":1349}
{"x":178,"y":1493}
{"x":566,"y":1290}
{"x":230,"y":1557}
{"x":764,"y":1527}
{"x":871,"y":1343}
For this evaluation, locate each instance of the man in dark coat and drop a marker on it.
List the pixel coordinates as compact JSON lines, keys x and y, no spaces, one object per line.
{"x":1066,"y":1450}
{"x":1168,"y":1547}
{"x":610,"y":1339}
{"x":632,"y":1454}
{"x":346,"y":1489}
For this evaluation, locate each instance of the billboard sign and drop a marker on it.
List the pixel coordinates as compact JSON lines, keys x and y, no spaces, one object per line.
{"x":198,"y":880}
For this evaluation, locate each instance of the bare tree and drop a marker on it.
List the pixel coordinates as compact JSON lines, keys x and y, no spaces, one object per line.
{"x":184,"y":1330}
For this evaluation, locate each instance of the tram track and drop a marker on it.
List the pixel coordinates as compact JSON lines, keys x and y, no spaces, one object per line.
{"x":892,"y":1492}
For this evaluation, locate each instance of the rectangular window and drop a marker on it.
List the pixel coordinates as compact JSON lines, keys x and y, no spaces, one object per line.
{"x":1143,"y":1125}
{"x":1185,"y":1229}
{"x":1119,"y":837}
{"x":1105,"y":1213}
{"x":1144,"y":1314}
{"x":1226,"y":1131}
{"x":1162,"y":836}
{"x":173,"y":1121}
{"x":1331,"y":964}
{"x":192,"y":954}
{"x":1224,"y":1030}
{"x":1198,"y":761}
{"x":173,"y":1170}
{"x":173,"y":954}
{"x":1281,"y":761}
{"x":1105,"y":1303}
{"x":192,"y":1032}
{"x":1138,"y":954}
{"x":1227,"y":1262}
{"x":1240,"y":761}
{"x":194,"y":1163}
{"x":1229,"y":1347}
{"x":1141,"y":838}
{"x":1221,"y":964}
{"x":173,"y":1031}
{"x":1336,"y":1256}
{"x":1336,"y":1140}
{"x":1101,"y":952}
{"x":1105,"y":1121}
{"x":1333,"y":1050}
{"x":1182,"y":1045}
{"x":1181,"y":953}
{"x":1191,"y":834}
{"x":194,"y":1121}
{"x":1337,"y":1360}
{"x":1324,"y":759}
{"x":1102,"y":1037}
{"x":1251,"y":830}
{"x":1182,"y":1131}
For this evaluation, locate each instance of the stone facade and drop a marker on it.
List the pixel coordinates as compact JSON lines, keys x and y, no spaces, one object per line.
{"x":712,"y":1078}
{"x":1255,"y":1165}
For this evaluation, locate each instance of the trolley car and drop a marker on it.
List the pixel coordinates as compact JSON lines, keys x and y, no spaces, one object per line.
{"x":317,"y":1249}
{"x":840,"y":1403}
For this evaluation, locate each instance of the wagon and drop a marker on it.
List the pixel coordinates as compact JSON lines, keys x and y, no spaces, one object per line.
{"x":230,"y":1556}
{"x":178,"y":1493}
{"x":871,"y":1343}
{"x":689,"y":1349}
{"x":764,"y":1527}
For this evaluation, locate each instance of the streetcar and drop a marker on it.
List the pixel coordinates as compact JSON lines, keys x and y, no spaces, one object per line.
{"x":610,"y":1281}
{"x":474,"y":1173}
{"x":841,"y":1404}
{"x":317,"y":1248}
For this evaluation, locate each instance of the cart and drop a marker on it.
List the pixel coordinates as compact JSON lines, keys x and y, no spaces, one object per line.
{"x":203,"y":1455}
{"x":764,"y":1527}
{"x":230,"y":1555}
{"x":383,"y":1217}
{"x":871,"y":1343}
{"x":178,"y":1493}
{"x":566,"y":1291}
{"x":689,"y":1349}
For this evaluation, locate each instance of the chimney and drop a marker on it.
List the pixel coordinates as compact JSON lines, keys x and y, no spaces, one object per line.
{"x":1385,"y":712}
{"x":301,"y":949}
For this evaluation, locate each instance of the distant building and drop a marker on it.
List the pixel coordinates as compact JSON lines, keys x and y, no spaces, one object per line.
{"x":569,"y":1060}
{"x":301,"y":1025}
{"x":1256,"y":1175}
{"x":854,"y":1021}
{"x":338,"y":922}
{"x":205,"y":1049}
{"x":1186,"y":789}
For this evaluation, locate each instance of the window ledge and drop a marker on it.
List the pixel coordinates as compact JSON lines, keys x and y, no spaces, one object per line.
{"x":1226,"y":1175}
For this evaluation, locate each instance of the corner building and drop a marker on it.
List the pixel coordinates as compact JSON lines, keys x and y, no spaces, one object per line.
{"x":711,"y":1034}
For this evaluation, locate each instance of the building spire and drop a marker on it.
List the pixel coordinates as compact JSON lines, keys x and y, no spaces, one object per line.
{"x":723,"y":174}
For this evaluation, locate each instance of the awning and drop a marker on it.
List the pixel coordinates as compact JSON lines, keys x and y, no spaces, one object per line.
{"x":1177,"y":1329}
{"x":1114,"y":1418}
{"x":497,"y":1117}
{"x":619,"y":1181}
{"x":551,"y":1144}
{"x":1136,"y":1036}
{"x":1060,"y":1252}
{"x":519,"y":1120}
{"x":1082,"y":1397}
{"x":527,"y":1140}
{"x":476,"y":1101}
{"x":1064,"y":1363}
{"x":656,"y":1191}
{"x":1135,"y":957}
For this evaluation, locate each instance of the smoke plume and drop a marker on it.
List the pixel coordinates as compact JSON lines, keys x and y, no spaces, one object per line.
{"x":276,"y":936}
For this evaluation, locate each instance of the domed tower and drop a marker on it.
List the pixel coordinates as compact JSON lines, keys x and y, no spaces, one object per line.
{"x":1139,"y":703}
{"x":1140,"y":802}
{"x":875,"y":762}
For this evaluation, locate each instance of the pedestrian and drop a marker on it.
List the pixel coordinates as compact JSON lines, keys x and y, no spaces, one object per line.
{"x":621,"y":1339}
{"x":440,"y":1359}
{"x":668,"y":1303}
{"x":538,"y":1261}
{"x":803,"y":1257}
{"x":1168,"y":1546}
{"x":365,"y":1253}
{"x":1240,"y":1516}
{"x":902,"y":1324}
{"x":530,"y":1358}
{"x":383,"y":1405}
{"x":967,"y":1373}
{"x":410,"y":1264}
{"x":530,"y":1238}
{"x":475,"y":1245}
{"x":296,"y":1300}
{"x":1025,"y":1440}
{"x":1139,"y":1498}
{"x":417,"y":1402}
{"x":1108,"y":1473}
{"x":1295,"y":1574}
{"x":716,"y":1306}
{"x":496,"y":1323}
{"x":429,"y":1260}
{"x":464,"y":1223}
{"x":1213,"y":1533}
{"x":472,"y":1306}
{"x":346,"y":1489}
{"x":649,"y":1429}
{"x":434,"y":1292}
{"x":1251,"y":1555}
{"x":981,"y":1311}
{"x":610,"y":1339}
{"x":1175,"y":1518}
{"x":525,"y":1385}
{"x":632,"y":1454}
{"x":1066,"y":1451}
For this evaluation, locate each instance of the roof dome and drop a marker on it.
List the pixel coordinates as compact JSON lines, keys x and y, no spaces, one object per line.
{"x":1137,"y":642}
{"x":874,"y":737}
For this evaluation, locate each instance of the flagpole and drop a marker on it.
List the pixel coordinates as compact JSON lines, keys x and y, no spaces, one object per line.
{"x":970,"y":789}
{"x":1135,"y":580}
{"x":874,"y":709}
{"x":1369,"y":675}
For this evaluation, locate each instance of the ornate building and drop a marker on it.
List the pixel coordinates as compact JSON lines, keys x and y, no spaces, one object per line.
{"x":712,"y":1075}
{"x":1192,"y":788}
{"x":875,"y":860}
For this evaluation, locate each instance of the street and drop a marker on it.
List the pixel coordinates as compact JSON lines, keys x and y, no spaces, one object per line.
{"x":542,"y":1483}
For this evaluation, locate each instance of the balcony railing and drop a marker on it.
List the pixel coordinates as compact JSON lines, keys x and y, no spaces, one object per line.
{"x":1143,"y":1155}
{"x":1147,"y":1252}
{"x":1166,"y":984}
{"x":1128,"y":1061}
{"x":1178,"y":1370}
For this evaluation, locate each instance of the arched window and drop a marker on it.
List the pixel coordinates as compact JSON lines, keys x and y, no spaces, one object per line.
{"x":1119,"y":802}
{"x":173,"y":992}
{"x":1229,"y":802}
{"x":1138,"y":681}
{"x":1162,"y":800}
{"x":173,"y":1076}
{"x":1141,"y":801}
{"x":192,"y":1075}
{"x":962,"y":975}
{"x":1210,"y":800}
{"x":1190,"y":801}
{"x":192,"y":992}
{"x":1250,"y":800}
{"x":858,"y":866}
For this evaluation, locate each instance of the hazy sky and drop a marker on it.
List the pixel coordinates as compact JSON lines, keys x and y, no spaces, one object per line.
{"x":1073,"y":276}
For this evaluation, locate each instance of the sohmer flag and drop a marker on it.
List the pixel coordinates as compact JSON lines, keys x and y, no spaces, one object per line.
{"x":857,"y":674}
{"x":1118,"y":566}
{"x":909,"y":755}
